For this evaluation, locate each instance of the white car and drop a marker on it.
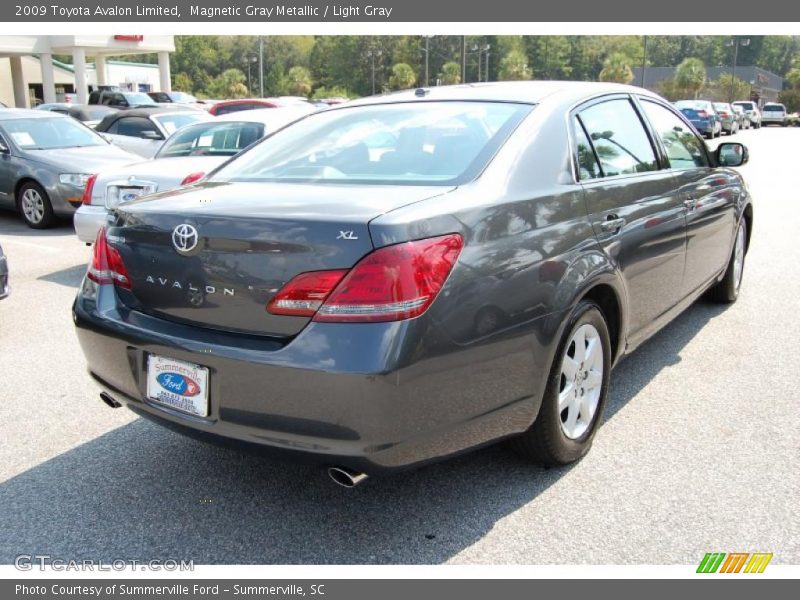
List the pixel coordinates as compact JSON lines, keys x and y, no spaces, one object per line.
{"x":188,"y":155}
{"x":773,"y":112}
{"x":143,"y":130}
{"x":751,"y":111}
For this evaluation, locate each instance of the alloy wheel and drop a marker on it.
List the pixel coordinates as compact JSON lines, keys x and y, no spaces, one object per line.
{"x":581,"y":381}
{"x":32,"y":205}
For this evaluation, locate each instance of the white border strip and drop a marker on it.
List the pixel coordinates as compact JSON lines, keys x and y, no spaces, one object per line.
{"x":296,"y":572}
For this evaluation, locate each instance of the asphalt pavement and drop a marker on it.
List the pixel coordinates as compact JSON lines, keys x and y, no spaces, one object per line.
{"x":699,"y":450}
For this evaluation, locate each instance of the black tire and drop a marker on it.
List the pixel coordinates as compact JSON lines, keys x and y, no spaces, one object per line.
{"x":545,"y":441}
{"x":726,"y":291}
{"x":45,"y":209}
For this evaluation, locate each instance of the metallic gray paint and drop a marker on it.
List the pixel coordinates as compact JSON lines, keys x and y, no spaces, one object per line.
{"x":472,"y":369}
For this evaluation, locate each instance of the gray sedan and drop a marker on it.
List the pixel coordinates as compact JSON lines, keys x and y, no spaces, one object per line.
{"x":413,"y":275}
{"x":45,"y":161}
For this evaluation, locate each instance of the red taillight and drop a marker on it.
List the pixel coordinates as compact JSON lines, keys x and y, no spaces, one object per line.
{"x":393,"y":283}
{"x":192,"y":178}
{"x":304,"y":294}
{"x":107,"y":266}
{"x":87,"y":191}
{"x":702,"y":114}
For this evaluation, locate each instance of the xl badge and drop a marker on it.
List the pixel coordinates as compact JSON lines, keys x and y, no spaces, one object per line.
{"x":347,"y":235}
{"x":185,"y":238}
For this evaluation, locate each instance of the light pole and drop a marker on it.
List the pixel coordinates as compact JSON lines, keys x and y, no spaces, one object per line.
{"x":427,"y":58}
{"x":644,"y":60}
{"x":736,"y":41}
{"x":372,"y":55}
{"x":479,"y":50}
{"x":250,"y":58}
{"x":260,"y":66}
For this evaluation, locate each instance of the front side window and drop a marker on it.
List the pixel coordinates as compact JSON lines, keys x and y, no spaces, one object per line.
{"x":684,"y":149}
{"x":414,"y":143}
{"x":50,"y":133}
{"x":619,"y":138}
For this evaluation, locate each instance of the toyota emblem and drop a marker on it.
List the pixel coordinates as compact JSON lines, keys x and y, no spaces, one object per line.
{"x":185,"y":238}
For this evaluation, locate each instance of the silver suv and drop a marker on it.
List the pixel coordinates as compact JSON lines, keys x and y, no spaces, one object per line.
{"x":773,"y":112}
{"x":751,"y":111}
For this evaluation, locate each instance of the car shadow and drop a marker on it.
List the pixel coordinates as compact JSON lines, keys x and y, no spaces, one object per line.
{"x":11,"y":224}
{"x":143,"y":492}
{"x":70,"y":277}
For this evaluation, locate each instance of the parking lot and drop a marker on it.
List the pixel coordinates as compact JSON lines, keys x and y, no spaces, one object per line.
{"x":699,"y":451}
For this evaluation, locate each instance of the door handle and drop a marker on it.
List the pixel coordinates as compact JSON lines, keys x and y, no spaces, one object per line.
{"x":690,"y":203}
{"x":612,"y":224}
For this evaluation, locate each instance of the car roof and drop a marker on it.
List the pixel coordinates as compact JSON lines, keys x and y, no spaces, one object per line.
{"x":267,"y":116}
{"x":146,"y":111}
{"x":11,"y":114}
{"x":527,"y":92}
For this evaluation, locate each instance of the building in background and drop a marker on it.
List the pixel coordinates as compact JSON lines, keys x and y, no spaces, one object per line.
{"x":764,"y":86}
{"x":29,"y":74}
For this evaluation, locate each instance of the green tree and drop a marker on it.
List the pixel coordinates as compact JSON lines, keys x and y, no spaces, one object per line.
{"x":228,"y":84}
{"x":275,"y":82}
{"x":616,"y":68}
{"x":727,"y":88}
{"x":514,"y":66}
{"x":690,"y":76}
{"x":451,"y":73}
{"x":402,"y":77}
{"x":791,"y":99}
{"x":793,"y":77}
{"x":182,"y":82}
{"x":299,"y":81}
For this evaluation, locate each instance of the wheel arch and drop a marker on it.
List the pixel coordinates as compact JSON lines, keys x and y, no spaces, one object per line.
{"x":607,"y":298}
{"x":22,"y":181}
{"x":747,"y":215}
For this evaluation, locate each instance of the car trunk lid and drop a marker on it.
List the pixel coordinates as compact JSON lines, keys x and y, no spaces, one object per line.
{"x":251,"y":239}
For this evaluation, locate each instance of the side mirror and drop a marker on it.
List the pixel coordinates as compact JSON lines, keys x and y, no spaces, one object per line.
{"x":3,"y":148}
{"x":731,"y":154}
{"x":151,"y":135}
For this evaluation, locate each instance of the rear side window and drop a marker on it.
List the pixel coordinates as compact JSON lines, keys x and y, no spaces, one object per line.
{"x":134,"y":126}
{"x":588,"y":167}
{"x":684,"y":148}
{"x":618,"y":137}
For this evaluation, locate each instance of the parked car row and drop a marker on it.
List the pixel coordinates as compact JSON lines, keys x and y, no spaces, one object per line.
{"x":712,"y":119}
{"x":186,"y":156}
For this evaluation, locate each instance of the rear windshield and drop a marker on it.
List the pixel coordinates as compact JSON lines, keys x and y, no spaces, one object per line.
{"x":413,"y":143}
{"x":719,"y":106}
{"x":174,"y":121}
{"x":745,"y":105}
{"x":774,"y":107}
{"x":212,"y":139}
{"x":690,"y":113}
{"x":138,"y":98}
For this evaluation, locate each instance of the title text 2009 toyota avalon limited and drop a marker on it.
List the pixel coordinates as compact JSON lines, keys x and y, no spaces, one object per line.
{"x":405,"y":277}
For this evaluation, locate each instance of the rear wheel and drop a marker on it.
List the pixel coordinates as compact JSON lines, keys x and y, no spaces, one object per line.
{"x":34,"y":206}
{"x":726,"y":290}
{"x":576,"y":392}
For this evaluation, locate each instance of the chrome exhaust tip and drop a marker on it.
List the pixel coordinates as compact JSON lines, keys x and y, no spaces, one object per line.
{"x":109,"y":401}
{"x":345,"y":477}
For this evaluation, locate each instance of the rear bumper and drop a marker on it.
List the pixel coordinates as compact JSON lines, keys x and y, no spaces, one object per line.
{"x":364,"y":396}
{"x":765,"y":120}
{"x":88,"y":220}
